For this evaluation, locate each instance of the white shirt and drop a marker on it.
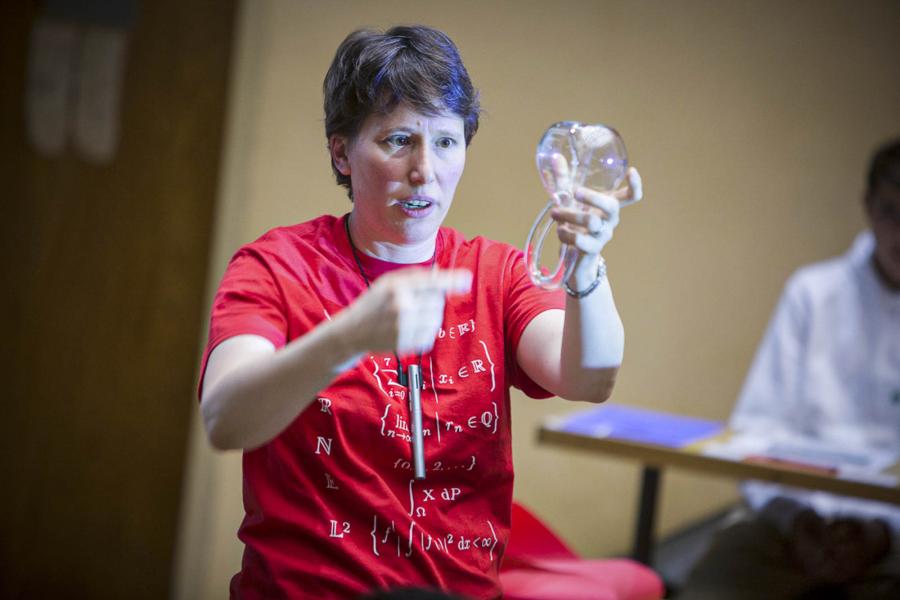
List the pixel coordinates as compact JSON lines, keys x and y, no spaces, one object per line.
{"x":828,"y":370}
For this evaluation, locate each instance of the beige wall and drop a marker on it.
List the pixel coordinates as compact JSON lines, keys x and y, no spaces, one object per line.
{"x":751,"y":124}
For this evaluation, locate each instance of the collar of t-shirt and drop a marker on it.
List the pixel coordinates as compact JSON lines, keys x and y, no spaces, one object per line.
{"x":376,"y":267}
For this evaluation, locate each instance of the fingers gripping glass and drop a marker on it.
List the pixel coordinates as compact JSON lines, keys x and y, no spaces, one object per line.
{"x":571,"y":155}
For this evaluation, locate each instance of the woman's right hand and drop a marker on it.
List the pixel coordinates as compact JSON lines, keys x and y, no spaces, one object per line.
{"x":403,"y":310}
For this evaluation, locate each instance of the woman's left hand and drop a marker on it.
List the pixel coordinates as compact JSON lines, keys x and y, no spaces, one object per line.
{"x":589,"y":224}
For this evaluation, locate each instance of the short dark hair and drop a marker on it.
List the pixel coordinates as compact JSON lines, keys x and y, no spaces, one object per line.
{"x":373,"y":72}
{"x":885,"y":166}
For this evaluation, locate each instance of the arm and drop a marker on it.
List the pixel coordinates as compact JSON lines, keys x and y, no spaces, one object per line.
{"x":770,"y":399}
{"x":576,"y":353}
{"x":559,"y":350}
{"x":251,"y":391}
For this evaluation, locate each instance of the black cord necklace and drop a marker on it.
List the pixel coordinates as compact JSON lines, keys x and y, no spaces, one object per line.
{"x":401,"y":373}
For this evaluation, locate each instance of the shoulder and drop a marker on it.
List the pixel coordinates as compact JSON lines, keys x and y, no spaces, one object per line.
{"x":288,"y":244}
{"x":294,"y":235}
{"x":820,"y":280}
{"x":824,"y":285}
{"x":817,"y":277}
{"x":478,"y":252}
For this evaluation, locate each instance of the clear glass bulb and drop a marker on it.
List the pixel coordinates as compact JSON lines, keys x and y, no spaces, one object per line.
{"x":572,"y":155}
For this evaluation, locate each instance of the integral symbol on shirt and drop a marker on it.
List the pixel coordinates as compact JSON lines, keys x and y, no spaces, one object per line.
{"x":448,"y":543}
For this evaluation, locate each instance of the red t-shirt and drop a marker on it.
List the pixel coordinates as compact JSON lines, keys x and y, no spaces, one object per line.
{"x":332,"y":509}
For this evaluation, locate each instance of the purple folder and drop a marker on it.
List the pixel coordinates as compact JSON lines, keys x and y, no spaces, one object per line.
{"x":639,"y":425}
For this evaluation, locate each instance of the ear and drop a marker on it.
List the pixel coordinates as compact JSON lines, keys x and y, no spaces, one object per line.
{"x":338,"y":145}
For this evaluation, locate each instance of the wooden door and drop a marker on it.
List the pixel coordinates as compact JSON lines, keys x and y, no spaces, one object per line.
{"x":103,"y":275}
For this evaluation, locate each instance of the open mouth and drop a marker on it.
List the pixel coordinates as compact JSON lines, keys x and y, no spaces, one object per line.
{"x":415,"y":204}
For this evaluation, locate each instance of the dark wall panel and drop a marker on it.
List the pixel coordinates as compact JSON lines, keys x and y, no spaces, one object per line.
{"x":103,"y":275}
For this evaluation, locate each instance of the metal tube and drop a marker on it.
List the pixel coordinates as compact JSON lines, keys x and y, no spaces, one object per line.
{"x":415,"y":418}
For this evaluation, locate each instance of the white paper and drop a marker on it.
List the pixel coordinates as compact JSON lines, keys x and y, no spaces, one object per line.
{"x":859,"y":465}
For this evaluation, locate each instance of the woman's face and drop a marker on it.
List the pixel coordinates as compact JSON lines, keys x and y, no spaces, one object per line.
{"x":404,"y":167}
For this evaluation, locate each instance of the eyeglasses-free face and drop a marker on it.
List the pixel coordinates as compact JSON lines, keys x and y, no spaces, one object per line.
{"x":404,"y":168}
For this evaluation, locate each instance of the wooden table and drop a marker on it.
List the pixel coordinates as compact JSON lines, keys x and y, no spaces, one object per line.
{"x":657,"y":457}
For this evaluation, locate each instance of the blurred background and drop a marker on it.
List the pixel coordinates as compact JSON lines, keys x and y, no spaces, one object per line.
{"x":141,"y":143}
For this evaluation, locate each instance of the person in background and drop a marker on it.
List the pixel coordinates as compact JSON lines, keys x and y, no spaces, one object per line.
{"x":828,"y":370}
{"x":314,"y":326}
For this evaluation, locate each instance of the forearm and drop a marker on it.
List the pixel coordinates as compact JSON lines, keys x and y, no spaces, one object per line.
{"x":593,"y":342}
{"x":255,"y":400}
{"x":252,"y":393}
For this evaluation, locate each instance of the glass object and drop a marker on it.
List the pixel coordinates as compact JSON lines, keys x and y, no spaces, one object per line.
{"x":571,"y":155}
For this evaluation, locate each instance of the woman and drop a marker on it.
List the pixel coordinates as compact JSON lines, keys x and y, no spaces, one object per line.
{"x":315,"y":324}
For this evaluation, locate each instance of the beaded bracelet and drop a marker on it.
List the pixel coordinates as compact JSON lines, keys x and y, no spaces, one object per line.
{"x":601,"y":275}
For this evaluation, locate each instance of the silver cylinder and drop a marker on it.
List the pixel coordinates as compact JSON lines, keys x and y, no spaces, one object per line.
{"x":415,"y":418}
